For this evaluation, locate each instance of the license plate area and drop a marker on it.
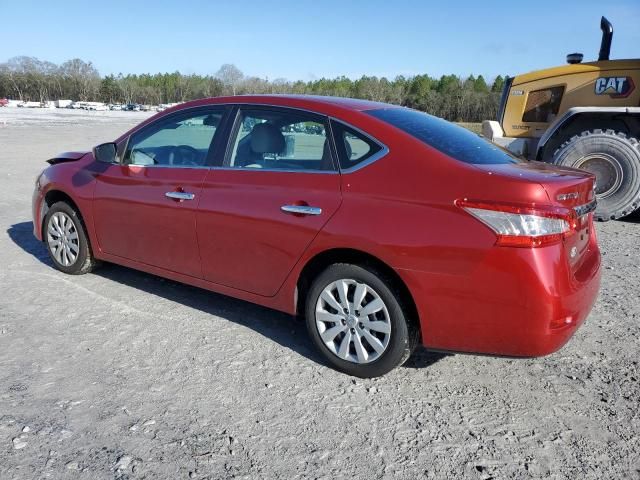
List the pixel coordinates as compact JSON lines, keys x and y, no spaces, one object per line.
{"x":578,"y":243}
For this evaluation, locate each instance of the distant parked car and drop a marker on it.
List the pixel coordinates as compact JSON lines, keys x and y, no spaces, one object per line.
{"x":132,"y":107}
{"x":30,"y":104}
{"x":385,"y":227}
{"x":163,"y":106}
{"x":115,"y":106}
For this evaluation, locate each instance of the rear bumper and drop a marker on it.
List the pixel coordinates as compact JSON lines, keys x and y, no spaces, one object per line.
{"x":516,"y":302}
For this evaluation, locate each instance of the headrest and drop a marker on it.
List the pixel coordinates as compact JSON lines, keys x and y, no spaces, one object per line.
{"x":266,"y":138}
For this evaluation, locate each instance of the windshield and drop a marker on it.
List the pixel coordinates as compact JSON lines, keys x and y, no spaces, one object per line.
{"x":450,"y":139}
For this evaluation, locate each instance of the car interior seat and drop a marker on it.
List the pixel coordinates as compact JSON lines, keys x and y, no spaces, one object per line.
{"x":264,"y":138}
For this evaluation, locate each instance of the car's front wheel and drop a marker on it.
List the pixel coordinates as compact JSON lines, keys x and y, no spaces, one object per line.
{"x":357,"y":319}
{"x":67,"y":241}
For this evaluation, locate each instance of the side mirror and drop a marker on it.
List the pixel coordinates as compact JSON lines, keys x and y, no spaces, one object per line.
{"x":106,"y":153}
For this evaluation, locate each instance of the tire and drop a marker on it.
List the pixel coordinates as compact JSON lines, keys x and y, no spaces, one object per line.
{"x":68,"y":246}
{"x":615,"y":159}
{"x":388,"y":327}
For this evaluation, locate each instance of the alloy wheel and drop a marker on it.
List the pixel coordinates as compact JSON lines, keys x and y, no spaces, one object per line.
{"x":62,"y":239}
{"x":353,"y":321}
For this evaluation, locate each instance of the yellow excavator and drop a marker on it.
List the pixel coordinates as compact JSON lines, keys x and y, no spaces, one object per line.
{"x":583,"y":115}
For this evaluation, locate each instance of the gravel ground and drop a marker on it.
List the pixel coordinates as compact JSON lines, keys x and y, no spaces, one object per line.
{"x":120,"y":374}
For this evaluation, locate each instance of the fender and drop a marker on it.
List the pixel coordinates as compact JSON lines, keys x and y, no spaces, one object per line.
{"x":44,"y":208}
{"x":59,"y":178}
{"x":573,"y":112}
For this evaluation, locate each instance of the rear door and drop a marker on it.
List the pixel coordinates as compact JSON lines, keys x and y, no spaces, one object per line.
{"x":145,"y":208}
{"x":277,"y":187}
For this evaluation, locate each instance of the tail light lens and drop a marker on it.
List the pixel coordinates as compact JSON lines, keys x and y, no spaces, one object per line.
{"x":523,"y":226}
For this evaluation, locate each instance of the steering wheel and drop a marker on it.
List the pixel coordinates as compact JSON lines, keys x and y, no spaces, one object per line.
{"x":184,"y":155}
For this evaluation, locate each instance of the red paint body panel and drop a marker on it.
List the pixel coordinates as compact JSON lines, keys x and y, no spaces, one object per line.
{"x":161,"y":230}
{"x":507,"y":302}
{"x":76,"y":180}
{"x":247,"y":242}
{"x":470,"y":294}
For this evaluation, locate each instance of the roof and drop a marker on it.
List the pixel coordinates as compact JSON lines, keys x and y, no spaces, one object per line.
{"x":350,"y":103}
{"x":304,"y":101}
{"x":342,"y":108}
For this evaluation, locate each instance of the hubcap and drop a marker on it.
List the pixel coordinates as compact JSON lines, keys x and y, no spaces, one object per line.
{"x":607,"y":170}
{"x":62,"y":238}
{"x":353,"y":321}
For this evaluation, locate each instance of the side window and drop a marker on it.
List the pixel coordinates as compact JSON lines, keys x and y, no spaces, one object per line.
{"x":353,"y":147}
{"x":183,"y":140}
{"x":280,"y":139}
{"x":542,"y":105}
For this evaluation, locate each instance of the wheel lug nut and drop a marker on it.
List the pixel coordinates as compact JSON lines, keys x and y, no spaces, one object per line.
{"x":357,"y":313}
{"x":344,"y":322}
{"x":345,"y":310}
{"x":353,"y":330}
{"x":361,"y":325}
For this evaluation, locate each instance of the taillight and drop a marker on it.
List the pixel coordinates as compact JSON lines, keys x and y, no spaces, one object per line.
{"x":523,"y":226}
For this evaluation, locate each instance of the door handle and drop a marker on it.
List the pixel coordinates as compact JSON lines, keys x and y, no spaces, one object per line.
{"x":180,"y":195}
{"x":301,"y":209}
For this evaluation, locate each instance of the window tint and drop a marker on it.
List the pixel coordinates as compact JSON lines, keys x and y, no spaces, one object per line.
{"x":183,"y":140}
{"x":353,"y":147}
{"x":450,"y":139}
{"x":281,"y":140}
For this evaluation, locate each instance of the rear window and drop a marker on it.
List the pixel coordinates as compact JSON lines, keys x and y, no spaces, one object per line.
{"x":450,"y":139}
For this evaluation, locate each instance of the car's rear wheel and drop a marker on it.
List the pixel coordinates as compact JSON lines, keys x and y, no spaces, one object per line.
{"x":67,"y":241}
{"x":357,"y":319}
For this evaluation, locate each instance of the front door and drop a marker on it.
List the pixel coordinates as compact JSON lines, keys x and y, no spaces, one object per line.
{"x":277,"y":188}
{"x":145,"y":208}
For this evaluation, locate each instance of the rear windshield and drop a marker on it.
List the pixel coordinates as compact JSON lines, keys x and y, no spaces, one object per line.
{"x":450,"y":139}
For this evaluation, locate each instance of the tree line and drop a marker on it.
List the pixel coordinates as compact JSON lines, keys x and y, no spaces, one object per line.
{"x":469,"y":99}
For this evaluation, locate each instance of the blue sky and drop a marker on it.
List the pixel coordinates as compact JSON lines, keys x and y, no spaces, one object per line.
{"x":312,"y":39}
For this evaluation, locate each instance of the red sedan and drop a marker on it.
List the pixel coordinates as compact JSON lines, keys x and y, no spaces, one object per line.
{"x":382,"y":225}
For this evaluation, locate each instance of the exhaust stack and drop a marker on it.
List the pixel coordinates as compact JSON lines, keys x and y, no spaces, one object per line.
{"x":607,"y":35}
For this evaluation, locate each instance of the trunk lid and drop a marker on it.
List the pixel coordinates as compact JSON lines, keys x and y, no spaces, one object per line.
{"x":565,"y":186}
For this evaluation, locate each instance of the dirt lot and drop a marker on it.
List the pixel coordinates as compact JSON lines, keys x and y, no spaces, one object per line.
{"x":120,"y":374}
